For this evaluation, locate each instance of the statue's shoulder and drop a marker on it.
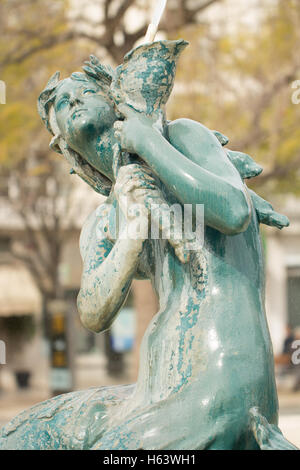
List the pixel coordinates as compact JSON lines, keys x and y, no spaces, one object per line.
{"x":201,"y":146}
{"x":190,"y":137}
{"x":185,"y":125}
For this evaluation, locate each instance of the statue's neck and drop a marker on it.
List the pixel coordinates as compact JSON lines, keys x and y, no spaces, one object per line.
{"x":98,"y":151}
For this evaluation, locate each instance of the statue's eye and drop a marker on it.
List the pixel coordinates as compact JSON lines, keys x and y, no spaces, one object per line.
{"x":89,"y":92}
{"x":62,"y":103}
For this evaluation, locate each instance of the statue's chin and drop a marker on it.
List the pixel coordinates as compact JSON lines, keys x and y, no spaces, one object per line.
{"x":82,"y":129}
{"x":93,"y":144}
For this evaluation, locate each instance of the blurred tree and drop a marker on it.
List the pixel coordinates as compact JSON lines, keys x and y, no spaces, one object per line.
{"x":48,"y":207}
{"x":33,"y":26}
{"x":39,"y":37}
{"x":239,"y":81}
{"x":39,"y":190}
{"x":233,"y":79}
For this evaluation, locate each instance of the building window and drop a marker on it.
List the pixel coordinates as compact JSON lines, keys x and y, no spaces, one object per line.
{"x":3,"y":186}
{"x":293,"y":297}
{"x":5,"y":244}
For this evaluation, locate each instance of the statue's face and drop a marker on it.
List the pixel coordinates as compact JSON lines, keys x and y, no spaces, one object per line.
{"x":82,"y":112}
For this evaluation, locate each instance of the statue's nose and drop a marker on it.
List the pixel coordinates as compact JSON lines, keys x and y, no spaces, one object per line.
{"x":75,"y":100}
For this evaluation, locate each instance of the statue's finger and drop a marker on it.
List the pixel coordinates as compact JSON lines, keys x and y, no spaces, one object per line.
{"x":118,"y":125}
{"x":117,"y":159}
{"x":127,"y":110}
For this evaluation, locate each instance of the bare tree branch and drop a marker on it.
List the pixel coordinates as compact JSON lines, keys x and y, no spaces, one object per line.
{"x":45,"y":212}
{"x":36,"y":275}
{"x":257,"y":133}
{"x":203,"y":6}
{"x":125,"y":5}
{"x":278,"y":171}
{"x":106,"y":9}
{"x":175,"y":17}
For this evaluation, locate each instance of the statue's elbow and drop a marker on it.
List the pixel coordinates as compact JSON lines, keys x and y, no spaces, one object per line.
{"x":240,"y":217}
{"x":90,"y":321}
{"x":95,"y":326}
{"x":92,"y":318}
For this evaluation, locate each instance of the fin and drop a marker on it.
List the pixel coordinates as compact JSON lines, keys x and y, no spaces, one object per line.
{"x":221,"y":138}
{"x":245,"y":165}
{"x":268,"y":436}
{"x":266,"y":214}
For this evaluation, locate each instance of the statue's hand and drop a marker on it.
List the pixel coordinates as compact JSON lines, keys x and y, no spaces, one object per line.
{"x":136,"y":189}
{"x":138,"y":192}
{"x":135,"y":130}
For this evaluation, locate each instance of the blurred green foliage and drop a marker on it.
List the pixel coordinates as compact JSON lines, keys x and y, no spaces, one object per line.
{"x":22,"y":134}
{"x":235,"y":80}
{"x":240,"y":83}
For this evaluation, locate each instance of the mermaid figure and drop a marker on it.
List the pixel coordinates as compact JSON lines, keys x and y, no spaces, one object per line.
{"x":206,"y":378}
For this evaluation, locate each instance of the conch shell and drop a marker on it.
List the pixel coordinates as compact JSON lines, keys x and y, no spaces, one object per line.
{"x":145,"y":79}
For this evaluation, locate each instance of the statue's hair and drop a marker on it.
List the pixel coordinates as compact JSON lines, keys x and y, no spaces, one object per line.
{"x":102,"y":76}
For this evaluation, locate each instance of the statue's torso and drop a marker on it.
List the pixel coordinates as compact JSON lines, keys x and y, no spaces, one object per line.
{"x":210,"y":334}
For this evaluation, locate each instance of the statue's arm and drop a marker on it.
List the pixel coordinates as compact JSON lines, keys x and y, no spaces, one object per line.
{"x":108,"y":270}
{"x":223,"y":194}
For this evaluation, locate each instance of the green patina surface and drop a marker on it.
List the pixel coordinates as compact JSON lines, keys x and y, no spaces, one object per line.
{"x":206,"y":378}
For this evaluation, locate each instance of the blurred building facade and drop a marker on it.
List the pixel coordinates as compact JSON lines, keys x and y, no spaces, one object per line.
{"x":95,"y":356}
{"x":283,"y":276}
{"x":20,"y":300}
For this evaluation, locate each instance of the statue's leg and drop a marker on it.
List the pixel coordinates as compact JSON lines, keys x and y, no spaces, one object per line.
{"x":69,"y":421}
{"x":182,"y":423}
{"x":225,"y":433}
{"x":178,"y":423}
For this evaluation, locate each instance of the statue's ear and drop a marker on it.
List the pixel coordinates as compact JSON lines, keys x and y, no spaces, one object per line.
{"x":54,"y":144}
